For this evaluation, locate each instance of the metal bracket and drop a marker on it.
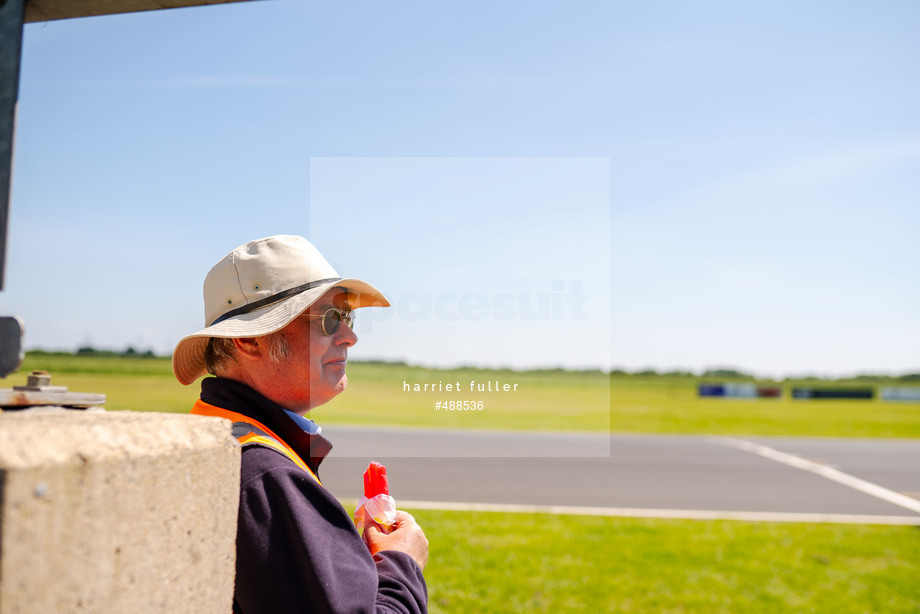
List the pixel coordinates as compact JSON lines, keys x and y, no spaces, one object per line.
{"x":39,"y":381}
{"x":38,"y":391}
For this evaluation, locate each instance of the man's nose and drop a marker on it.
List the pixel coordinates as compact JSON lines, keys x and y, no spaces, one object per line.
{"x":345,"y":336}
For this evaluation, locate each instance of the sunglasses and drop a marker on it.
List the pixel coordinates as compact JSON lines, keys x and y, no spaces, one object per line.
{"x":332,"y":318}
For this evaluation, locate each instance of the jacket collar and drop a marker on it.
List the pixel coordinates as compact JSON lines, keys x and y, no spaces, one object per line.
{"x":236,"y":396}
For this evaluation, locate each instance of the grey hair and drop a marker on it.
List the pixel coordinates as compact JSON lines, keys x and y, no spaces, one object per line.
{"x":221,"y":351}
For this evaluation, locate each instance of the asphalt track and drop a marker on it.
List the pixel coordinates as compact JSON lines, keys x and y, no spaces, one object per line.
{"x":833,"y":479}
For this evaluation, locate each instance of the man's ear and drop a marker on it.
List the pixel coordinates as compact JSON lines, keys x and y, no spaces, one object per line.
{"x":248,"y":348}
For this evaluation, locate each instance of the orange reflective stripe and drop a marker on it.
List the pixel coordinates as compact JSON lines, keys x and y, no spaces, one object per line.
{"x":270,"y":441}
{"x":261,"y":440}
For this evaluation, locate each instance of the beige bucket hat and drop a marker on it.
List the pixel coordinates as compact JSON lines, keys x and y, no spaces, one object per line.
{"x":259,"y":288}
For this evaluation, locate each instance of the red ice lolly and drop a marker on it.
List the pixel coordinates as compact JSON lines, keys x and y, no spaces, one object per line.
{"x":375,"y":480}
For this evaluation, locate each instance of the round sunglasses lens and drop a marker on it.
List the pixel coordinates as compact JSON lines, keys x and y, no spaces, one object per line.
{"x":331,"y":320}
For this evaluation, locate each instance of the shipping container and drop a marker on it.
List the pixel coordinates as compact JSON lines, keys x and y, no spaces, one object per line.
{"x":711,"y":390}
{"x":833,"y":393}
{"x":901,"y":393}
{"x":742,"y":391}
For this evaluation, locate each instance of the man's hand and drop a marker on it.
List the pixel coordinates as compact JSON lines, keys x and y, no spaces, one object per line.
{"x":407,"y":537}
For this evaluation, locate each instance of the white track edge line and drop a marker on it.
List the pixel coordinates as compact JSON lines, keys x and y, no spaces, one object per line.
{"x":675,"y":514}
{"x":824,"y":471}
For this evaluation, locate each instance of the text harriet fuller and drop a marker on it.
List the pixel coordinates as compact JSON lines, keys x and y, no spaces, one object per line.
{"x":487,"y":386}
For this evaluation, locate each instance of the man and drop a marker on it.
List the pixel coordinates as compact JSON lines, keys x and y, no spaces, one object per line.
{"x":278,"y":325}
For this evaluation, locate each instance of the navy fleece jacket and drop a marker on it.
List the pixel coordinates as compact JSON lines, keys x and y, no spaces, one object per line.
{"x":297,"y":547}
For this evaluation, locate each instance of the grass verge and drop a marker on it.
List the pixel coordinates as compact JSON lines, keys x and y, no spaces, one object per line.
{"x":494,"y":562}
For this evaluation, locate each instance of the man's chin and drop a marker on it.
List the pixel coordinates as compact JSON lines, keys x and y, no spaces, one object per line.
{"x":327,"y":394}
{"x":339,"y":386}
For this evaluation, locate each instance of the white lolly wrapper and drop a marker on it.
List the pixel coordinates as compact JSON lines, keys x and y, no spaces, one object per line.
{"x":380,"y":508}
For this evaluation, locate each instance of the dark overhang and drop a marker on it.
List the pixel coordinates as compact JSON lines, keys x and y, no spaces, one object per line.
{"x":48,"y":10}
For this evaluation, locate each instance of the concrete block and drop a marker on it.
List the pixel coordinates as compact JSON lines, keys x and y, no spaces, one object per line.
{"x":117,"y":512}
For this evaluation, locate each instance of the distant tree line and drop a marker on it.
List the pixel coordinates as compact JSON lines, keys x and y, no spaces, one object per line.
{"x":713,"y":373}
{"x":128,"y":352}
{"x":721,"y":373}
{"x":734,"y":374}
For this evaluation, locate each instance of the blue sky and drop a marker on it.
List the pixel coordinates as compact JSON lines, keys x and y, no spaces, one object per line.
{"x":758,"y":164}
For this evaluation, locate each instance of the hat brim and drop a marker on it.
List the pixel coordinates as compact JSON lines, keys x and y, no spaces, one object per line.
{"x":188,"y":358}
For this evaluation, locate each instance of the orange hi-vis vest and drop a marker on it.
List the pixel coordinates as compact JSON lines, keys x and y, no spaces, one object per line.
{"x":250,"y":432}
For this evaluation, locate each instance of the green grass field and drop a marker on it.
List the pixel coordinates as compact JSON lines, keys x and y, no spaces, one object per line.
{"x":544,"y":400}
{"x":376,"y":393}
{"x":490,"y":562}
